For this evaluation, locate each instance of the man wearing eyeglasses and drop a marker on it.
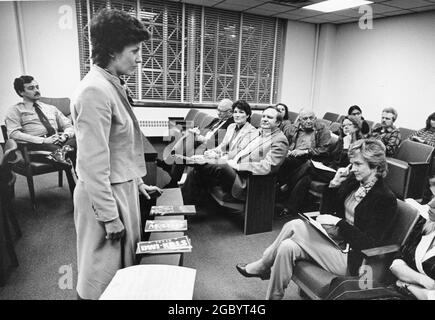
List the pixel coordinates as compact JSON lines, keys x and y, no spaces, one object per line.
{"x":195,"y":141}
{"x":387,"y":132}
{"x":310,"y":140}
{"x":41,"y":126}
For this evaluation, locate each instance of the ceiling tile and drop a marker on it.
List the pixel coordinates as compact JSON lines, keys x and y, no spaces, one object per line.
{"x":331,"y":17}
{"x":381,"y":8}
{"x":306,"y":13}
{"x":289,"y":15}
{"x":407,"y":4}
{"x":395,"y":13}
{"x":276,"y":7}
{"x":207,"y":3}
{"x":227,"y":5}
{"x":261,"y":11}
{"x":427,"y":8}
{"x":353,"y":13}
{"x":314,"y":20}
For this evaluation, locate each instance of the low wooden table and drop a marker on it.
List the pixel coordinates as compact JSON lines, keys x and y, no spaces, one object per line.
{"x":170,"y":197}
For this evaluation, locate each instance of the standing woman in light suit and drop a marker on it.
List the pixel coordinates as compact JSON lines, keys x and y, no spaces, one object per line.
{"x":110,"y":158}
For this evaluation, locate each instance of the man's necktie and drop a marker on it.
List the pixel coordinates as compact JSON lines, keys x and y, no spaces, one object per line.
{"x":44,"y":120}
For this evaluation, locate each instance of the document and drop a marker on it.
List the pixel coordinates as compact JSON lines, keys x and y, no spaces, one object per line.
{"x":422,"y":209}
{"x":171,"y":245}
{"x":316,"y":225}
{"x":151,"y":282}
{"x":321,"y":166}
{"x":165,"y":225}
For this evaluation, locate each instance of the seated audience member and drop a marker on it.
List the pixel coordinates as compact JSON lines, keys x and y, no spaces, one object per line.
{"x":357,"y":210}
{"x":41,"y":126}
{"x":262,"y":155}
{"x":427,"y":134}
{"x":286,"y":125}
{"x":195,"y":141}
{"x":414,"y":266}
{"x":387,"y":132}
{"x":357,"y":112}
{"x":309,"y":140}
{"x":350,"y":132}
{"x":238,"y":133}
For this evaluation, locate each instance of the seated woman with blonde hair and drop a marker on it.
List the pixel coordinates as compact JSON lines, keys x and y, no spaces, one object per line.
{"x":414,"y":267}
{"x":357,"y":211}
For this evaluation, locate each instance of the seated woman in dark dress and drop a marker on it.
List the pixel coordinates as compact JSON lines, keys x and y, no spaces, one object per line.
{"x":414,"y":267}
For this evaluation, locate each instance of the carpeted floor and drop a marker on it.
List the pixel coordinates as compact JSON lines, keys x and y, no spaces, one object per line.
{"x":47,"y":253}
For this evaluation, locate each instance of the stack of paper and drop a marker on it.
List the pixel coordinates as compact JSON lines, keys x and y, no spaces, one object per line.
{"x":171,"y":245}
{"x":151,"y":282}
{"x":165,"y":225}
{"x":172,"y":210}
{"x":422,"y":209}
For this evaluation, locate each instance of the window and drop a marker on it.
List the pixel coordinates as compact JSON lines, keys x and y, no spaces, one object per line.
{"x":197,"y":54}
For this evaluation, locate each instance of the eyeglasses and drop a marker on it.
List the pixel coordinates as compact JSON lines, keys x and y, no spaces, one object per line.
{"x":307,"y":118}
{"x":223,"y":111}
{"x":355,"y":113}
{"x":32,"y":87}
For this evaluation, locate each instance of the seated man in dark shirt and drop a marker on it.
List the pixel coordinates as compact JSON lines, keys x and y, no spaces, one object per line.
{"x":387,"y":132}
{"x":41,"y":126}
{"x":309,"y":140}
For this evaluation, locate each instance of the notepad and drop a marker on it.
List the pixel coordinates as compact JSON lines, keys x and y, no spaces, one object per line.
{"x":151,"y":282}
{"x":321,"y":166}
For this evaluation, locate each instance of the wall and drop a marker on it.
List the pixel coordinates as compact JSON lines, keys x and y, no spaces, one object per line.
{"x":9,"y":56}
{"x":297,"y":74}
{"x":49,"y":43}
{"x":390,"y":65}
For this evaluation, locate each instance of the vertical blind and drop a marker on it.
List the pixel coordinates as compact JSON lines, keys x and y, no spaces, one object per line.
{"x":196,"y":54}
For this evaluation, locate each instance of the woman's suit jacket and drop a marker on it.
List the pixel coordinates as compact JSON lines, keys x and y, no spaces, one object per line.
{"x":109,"y":139}
{"x":374,"y":215}
{"x":231,"y":146}
{"x":373,"y":219}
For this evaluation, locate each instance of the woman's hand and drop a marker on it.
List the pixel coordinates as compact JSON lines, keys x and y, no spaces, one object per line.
{"x":114,"y":229}
{"x":327,"y":219}
{"x":144,"y":189}
{"x":341,"y":175}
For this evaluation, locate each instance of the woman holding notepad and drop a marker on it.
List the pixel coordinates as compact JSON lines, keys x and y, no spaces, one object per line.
{"x":358,"y":210}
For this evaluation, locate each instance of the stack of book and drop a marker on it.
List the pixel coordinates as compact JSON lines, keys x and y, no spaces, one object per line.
{"x":171,"y":245}
{"x":165,"y":225}
{"x":172,"y":210}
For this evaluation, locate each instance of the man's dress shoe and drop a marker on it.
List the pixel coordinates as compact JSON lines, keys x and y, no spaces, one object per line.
{"x":241,"y":267}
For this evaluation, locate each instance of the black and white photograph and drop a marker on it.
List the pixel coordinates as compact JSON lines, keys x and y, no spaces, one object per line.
{"x":225,"y":151}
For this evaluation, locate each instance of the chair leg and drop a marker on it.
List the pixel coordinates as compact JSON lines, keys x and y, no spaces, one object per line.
{"x":10,"y":214}
{"x":60,"y":178}
{"x":71,"y":182}
{"x":31,"y":191}
{"x":9,"y":242}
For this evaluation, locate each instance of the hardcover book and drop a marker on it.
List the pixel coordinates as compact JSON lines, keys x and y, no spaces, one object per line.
{"x":171,"y":245}
{"x":172,"y":210}
{"x":165,"y":225}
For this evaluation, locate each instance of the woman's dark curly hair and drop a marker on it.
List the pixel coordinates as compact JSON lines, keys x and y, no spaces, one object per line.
{"x":111,"y":31}
{"x":431,"y":117}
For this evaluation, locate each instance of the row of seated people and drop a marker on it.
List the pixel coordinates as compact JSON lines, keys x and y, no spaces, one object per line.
{"x":358,"y":207}
{"x":308,"y":138}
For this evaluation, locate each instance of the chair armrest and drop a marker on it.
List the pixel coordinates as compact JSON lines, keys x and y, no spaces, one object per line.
{"x":378,"y":251}
{"x":418,"y":164}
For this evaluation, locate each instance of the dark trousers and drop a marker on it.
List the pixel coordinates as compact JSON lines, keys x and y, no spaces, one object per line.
{"x":206,"y":176}
{"x":289,"y":172}
{"x":299,"y":193}
{"x":52,"y":147}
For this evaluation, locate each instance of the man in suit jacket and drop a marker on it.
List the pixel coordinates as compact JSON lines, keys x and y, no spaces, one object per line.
{"x":263,"y":155}
{"x":195,"y":141}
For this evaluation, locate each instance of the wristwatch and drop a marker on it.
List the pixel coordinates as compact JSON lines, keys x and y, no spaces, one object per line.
{"x":66,"y":135}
